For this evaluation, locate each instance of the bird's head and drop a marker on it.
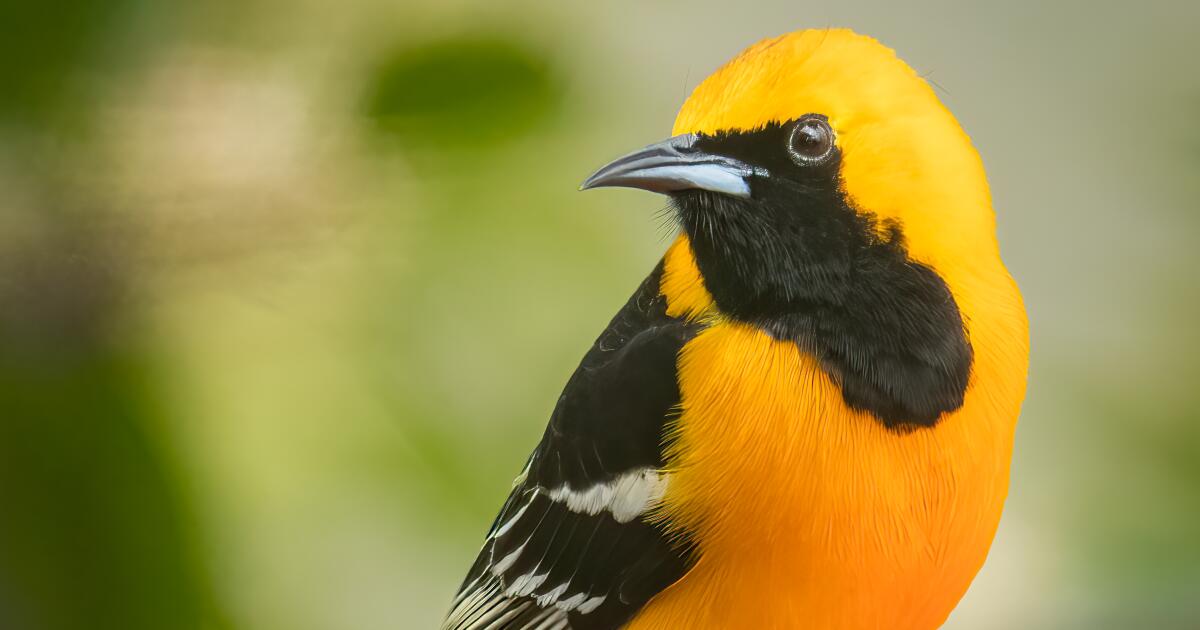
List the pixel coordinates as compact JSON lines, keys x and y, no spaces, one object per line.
{"x":801,"y":154}
{"x":827,"y":197}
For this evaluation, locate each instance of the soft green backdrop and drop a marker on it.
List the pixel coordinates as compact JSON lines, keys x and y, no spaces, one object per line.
{"x":288,"y":289}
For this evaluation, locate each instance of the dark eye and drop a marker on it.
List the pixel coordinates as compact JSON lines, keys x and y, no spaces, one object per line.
{"x":811,"y":141}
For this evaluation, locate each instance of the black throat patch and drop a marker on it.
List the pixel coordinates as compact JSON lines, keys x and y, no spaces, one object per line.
{"x":798,"y":261}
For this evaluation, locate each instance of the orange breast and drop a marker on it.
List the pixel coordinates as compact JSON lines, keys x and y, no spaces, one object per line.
{"x":811,"y":515}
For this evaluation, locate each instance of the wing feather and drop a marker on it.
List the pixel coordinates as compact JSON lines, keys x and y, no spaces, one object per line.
{"x":573,"y":547}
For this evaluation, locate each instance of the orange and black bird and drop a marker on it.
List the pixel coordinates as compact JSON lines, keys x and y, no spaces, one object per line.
{"x":803,"y":418}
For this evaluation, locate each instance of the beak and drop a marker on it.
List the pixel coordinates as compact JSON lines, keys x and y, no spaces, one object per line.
{"x":673,"y":165}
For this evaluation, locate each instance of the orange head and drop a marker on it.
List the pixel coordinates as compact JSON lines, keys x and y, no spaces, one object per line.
{"x":827,"y":196}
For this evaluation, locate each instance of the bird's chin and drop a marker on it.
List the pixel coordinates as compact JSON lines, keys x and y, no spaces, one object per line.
{"x":696,"y":204}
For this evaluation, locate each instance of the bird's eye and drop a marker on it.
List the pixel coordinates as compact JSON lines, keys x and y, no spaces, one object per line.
{"x":811,"y":141}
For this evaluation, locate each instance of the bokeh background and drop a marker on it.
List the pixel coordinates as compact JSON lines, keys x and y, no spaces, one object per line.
{"x":288,"y":289}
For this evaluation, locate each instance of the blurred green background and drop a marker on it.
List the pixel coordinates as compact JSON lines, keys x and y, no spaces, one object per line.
{"x":288,"y":289}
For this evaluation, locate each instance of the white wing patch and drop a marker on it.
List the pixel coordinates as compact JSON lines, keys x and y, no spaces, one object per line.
{"x":626,"y":497}
{"x":525,"y":584}
{"x":489,"y":609}
{"x":580,"y":602}
{"x":500,"y":567}
{"x":589,"y":605}
{"x":503,"y":529}
{"x":492,"y":600}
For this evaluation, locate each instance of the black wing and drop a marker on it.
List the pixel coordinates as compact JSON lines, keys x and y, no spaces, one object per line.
{"x":572,"y":547}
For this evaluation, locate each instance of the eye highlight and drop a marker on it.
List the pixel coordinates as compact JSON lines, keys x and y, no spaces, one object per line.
{"x":811,"y":141}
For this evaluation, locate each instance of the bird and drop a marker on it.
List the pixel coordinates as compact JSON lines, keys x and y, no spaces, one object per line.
{"x":804,"y":416}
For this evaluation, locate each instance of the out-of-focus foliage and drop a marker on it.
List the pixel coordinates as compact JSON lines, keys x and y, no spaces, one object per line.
{"x":45,"y":42}
{"x":463,"y":90}
{"x":288,"y":290}
{"x":96,"y":530}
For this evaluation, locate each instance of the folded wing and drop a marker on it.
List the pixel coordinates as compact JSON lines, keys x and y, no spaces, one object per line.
{"x":575,"y":545}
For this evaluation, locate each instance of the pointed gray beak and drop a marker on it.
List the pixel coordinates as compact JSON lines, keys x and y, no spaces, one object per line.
{"x":673,"y":165}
